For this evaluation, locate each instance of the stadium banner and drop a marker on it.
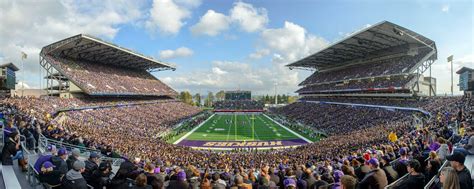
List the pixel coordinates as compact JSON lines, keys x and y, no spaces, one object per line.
{"x":242,"y":144}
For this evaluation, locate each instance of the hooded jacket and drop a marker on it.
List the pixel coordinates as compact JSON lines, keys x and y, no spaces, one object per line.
{"x":74,"y":180}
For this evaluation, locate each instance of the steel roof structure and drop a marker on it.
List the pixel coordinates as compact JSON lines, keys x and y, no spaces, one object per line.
{"x":360,"y":45}
{"x":92,"y":49}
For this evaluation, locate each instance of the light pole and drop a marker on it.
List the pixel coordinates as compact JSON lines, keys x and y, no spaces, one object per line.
{"x":23,"y":57}
{"x":450,"y":59}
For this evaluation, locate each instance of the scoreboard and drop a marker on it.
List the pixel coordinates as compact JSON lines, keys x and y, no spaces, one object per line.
{"x":238,"y":95}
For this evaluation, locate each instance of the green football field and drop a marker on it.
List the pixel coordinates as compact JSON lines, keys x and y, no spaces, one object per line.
{"x":240,"y":127}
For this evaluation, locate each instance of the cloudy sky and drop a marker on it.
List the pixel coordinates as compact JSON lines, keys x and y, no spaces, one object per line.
{"x":229,"y":45}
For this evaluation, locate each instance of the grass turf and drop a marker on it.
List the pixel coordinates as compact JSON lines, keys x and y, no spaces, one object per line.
{"x":242,"y":128}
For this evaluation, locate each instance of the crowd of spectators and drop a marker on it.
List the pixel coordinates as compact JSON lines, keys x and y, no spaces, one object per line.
{"x":386,"y":83}
{"x":392,"y":66}
{"x":353,"y":155}
{"x":238,"y":105}
{"x":101,"y":79}
{"x":339,"y":119}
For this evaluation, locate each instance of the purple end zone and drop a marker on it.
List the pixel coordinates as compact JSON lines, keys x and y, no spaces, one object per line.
{"x":242,"y":144}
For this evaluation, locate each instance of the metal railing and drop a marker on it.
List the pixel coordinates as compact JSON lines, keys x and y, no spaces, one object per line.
{"x":435,"y":179}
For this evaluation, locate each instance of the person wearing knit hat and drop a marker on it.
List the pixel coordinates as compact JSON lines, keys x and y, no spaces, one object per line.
{"x":73,"y":158}
{"x":73,"y":178}
{"x":180,"y":182}
{"x":376,"y":178}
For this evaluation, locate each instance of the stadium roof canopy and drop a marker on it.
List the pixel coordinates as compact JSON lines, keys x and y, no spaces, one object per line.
{"x":464,"y":69}
{"x":89,"y":48}
{"x":10,"y":65}
{"x":371,"y":40}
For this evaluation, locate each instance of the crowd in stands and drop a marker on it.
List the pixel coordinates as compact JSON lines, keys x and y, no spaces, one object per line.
{"x":101,"y":79}
{"x":393,"y":66}
{"x":334,"y":119}
{"x":238,"y":105}
{"x":354,"y":156}
{"x":388,"y":84}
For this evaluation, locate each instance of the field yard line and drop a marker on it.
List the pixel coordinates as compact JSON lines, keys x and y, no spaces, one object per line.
{"x":228,"y":130}
{"x":298,"y":135}
{"x":192,"y":131}
{"x":254,"y":130}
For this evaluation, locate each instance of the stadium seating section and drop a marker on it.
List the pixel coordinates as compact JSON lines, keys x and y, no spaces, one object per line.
{"x":98,"y":79}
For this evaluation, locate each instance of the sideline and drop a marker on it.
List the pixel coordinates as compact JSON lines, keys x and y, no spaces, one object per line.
{"x":291,"y":131}
{"x":192,"y":131}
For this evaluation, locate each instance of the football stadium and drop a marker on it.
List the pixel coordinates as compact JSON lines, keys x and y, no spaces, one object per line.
{"x":368,"y":116}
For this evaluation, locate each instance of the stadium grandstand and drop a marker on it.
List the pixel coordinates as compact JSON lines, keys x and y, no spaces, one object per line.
{"x":83,"y":64}
{"x":384,"y":59}
{"x":113,"y":125}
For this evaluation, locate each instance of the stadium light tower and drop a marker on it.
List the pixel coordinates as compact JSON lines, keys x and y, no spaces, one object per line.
{"x":450,"y":59}
{"x":276,"y":93}
{"x":23,"y":57}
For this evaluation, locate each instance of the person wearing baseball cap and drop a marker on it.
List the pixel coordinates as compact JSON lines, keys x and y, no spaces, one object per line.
{"x":375,"y":178}
{"x":60,"y":161}
{"x":457,"y":162}
{"x":391,"y":174}
{"x":91,"y":165}
{"x":50,"y":176}
{"x":73,"y":178}
{"x":45,"y":157}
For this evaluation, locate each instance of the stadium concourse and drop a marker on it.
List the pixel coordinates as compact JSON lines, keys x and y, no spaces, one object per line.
{"x":380,"y":134}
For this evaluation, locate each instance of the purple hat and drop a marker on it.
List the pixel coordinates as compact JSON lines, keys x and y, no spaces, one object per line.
{"x":181,"y":175}
{"x":62,"y":151}
{"x":386,"y":158}
{"x":338,"y":175}
{"x":373,"y":161}
{"x":157,"y":170}
{"x":402,"y":151}
{"x":289,"y":182}
{"x":48,"y":164}
{"x":51,"y":148}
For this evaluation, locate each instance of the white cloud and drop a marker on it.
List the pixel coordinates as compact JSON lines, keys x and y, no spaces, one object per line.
{"x":168,"y":16}
{"x":32,"y":25}
{"x":244,"y":15}
{"x":250,"y":19}
{"x":259,"y":53}
{"x":179,"y":52}
{"x":218,"y":71}
{"x":212,"y":23}
{"x":445,"y":8}
{"x":19,"y":86}
{"x":292,"y":41}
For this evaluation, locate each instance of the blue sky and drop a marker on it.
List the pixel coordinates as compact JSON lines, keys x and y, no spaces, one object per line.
{"x":230,"y":44}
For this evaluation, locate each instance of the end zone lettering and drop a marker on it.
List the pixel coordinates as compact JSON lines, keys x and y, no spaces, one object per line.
{"x":243,"y":144}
